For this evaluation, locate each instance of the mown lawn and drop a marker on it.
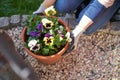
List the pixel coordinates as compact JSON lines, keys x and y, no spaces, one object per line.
{"x":11,"y":7}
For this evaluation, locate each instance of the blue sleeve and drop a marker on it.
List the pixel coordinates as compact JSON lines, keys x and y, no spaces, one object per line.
{"x":94,"y":9}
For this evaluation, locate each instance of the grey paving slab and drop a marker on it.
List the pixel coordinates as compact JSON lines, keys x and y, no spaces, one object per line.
{"x":15,"y":20}
{"x":4,"y":22}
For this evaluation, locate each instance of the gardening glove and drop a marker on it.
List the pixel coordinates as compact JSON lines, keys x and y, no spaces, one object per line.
{"x":77,"y":33}
{"x":74,"y":36}
{"x":40,"y":10}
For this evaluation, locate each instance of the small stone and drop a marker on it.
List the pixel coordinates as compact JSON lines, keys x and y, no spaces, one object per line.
{"x":115,"y":25}
{"x":4,"y":22}
{"x":24,"y":18}
{"x":114,"y":79}
{"x":15,"y":20}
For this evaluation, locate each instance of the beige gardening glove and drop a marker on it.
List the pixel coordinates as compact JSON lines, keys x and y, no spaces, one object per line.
{"x":74,"y":38}
{"x":76,"y":34}
{"x":40,"y":10}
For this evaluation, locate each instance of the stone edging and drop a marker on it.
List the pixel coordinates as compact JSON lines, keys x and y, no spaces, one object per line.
{"x":12,"y":21}
{"x":17,"y":20}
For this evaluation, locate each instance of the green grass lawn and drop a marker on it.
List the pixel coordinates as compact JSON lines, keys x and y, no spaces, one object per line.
{"x":11,"y":7}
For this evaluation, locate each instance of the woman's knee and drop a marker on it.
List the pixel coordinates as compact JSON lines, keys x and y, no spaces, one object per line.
{"x":60,"y":6}
{"x":67,"y":6}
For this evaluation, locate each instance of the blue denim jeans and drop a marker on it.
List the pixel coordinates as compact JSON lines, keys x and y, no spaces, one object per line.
{"x":68,"y":6}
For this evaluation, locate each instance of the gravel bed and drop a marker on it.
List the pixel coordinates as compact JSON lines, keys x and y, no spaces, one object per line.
{"x":97,"y":58}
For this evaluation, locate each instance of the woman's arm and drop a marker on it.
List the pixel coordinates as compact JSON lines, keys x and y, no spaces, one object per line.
{"x":93,"y":10}
{"x":43,"y":6}
{"x":88,"y":18}
{"x":48,"y":3}
{"x":84,"y":23}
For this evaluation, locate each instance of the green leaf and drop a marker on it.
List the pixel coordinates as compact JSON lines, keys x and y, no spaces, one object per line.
{"x":45,"y":51}
{"x":51,"y":47}
{"x":57,"y":41}
{"x":30,"y":18}
{"x":25,"y":44}
{"x":52,"y":52}
{"x":63,"y":42}
{"x":30,"y":38}
{"x":28,"y":31}
{"x":61,"y":28}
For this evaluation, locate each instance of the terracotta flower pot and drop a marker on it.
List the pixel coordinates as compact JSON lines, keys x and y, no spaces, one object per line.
{"x":47,"y":59}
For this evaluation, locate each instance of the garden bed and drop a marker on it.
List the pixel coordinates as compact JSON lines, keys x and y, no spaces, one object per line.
{"x":96,"y":58}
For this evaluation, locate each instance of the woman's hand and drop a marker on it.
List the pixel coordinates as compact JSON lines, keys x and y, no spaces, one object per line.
{"x":44,"y":5}
{"x":41,"y":9}
{"x":76,"y":34}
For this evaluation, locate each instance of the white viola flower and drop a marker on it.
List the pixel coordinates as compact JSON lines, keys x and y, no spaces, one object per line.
{"x":50,"y":11}
{"x":35,"y":48}
{"x":51,"y":31}
{"x":32,"y":43}
{"x":61,"y":38}
{"x":68,"y":37}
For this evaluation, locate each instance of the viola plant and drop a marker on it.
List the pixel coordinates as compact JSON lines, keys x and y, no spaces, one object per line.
{"x":45,"y":35}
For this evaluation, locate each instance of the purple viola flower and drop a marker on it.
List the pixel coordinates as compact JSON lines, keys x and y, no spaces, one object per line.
{"x":40,"y":26}
{"x":48,"y":35}
{"x":34,"y":33}
{"x":60,"y":33}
